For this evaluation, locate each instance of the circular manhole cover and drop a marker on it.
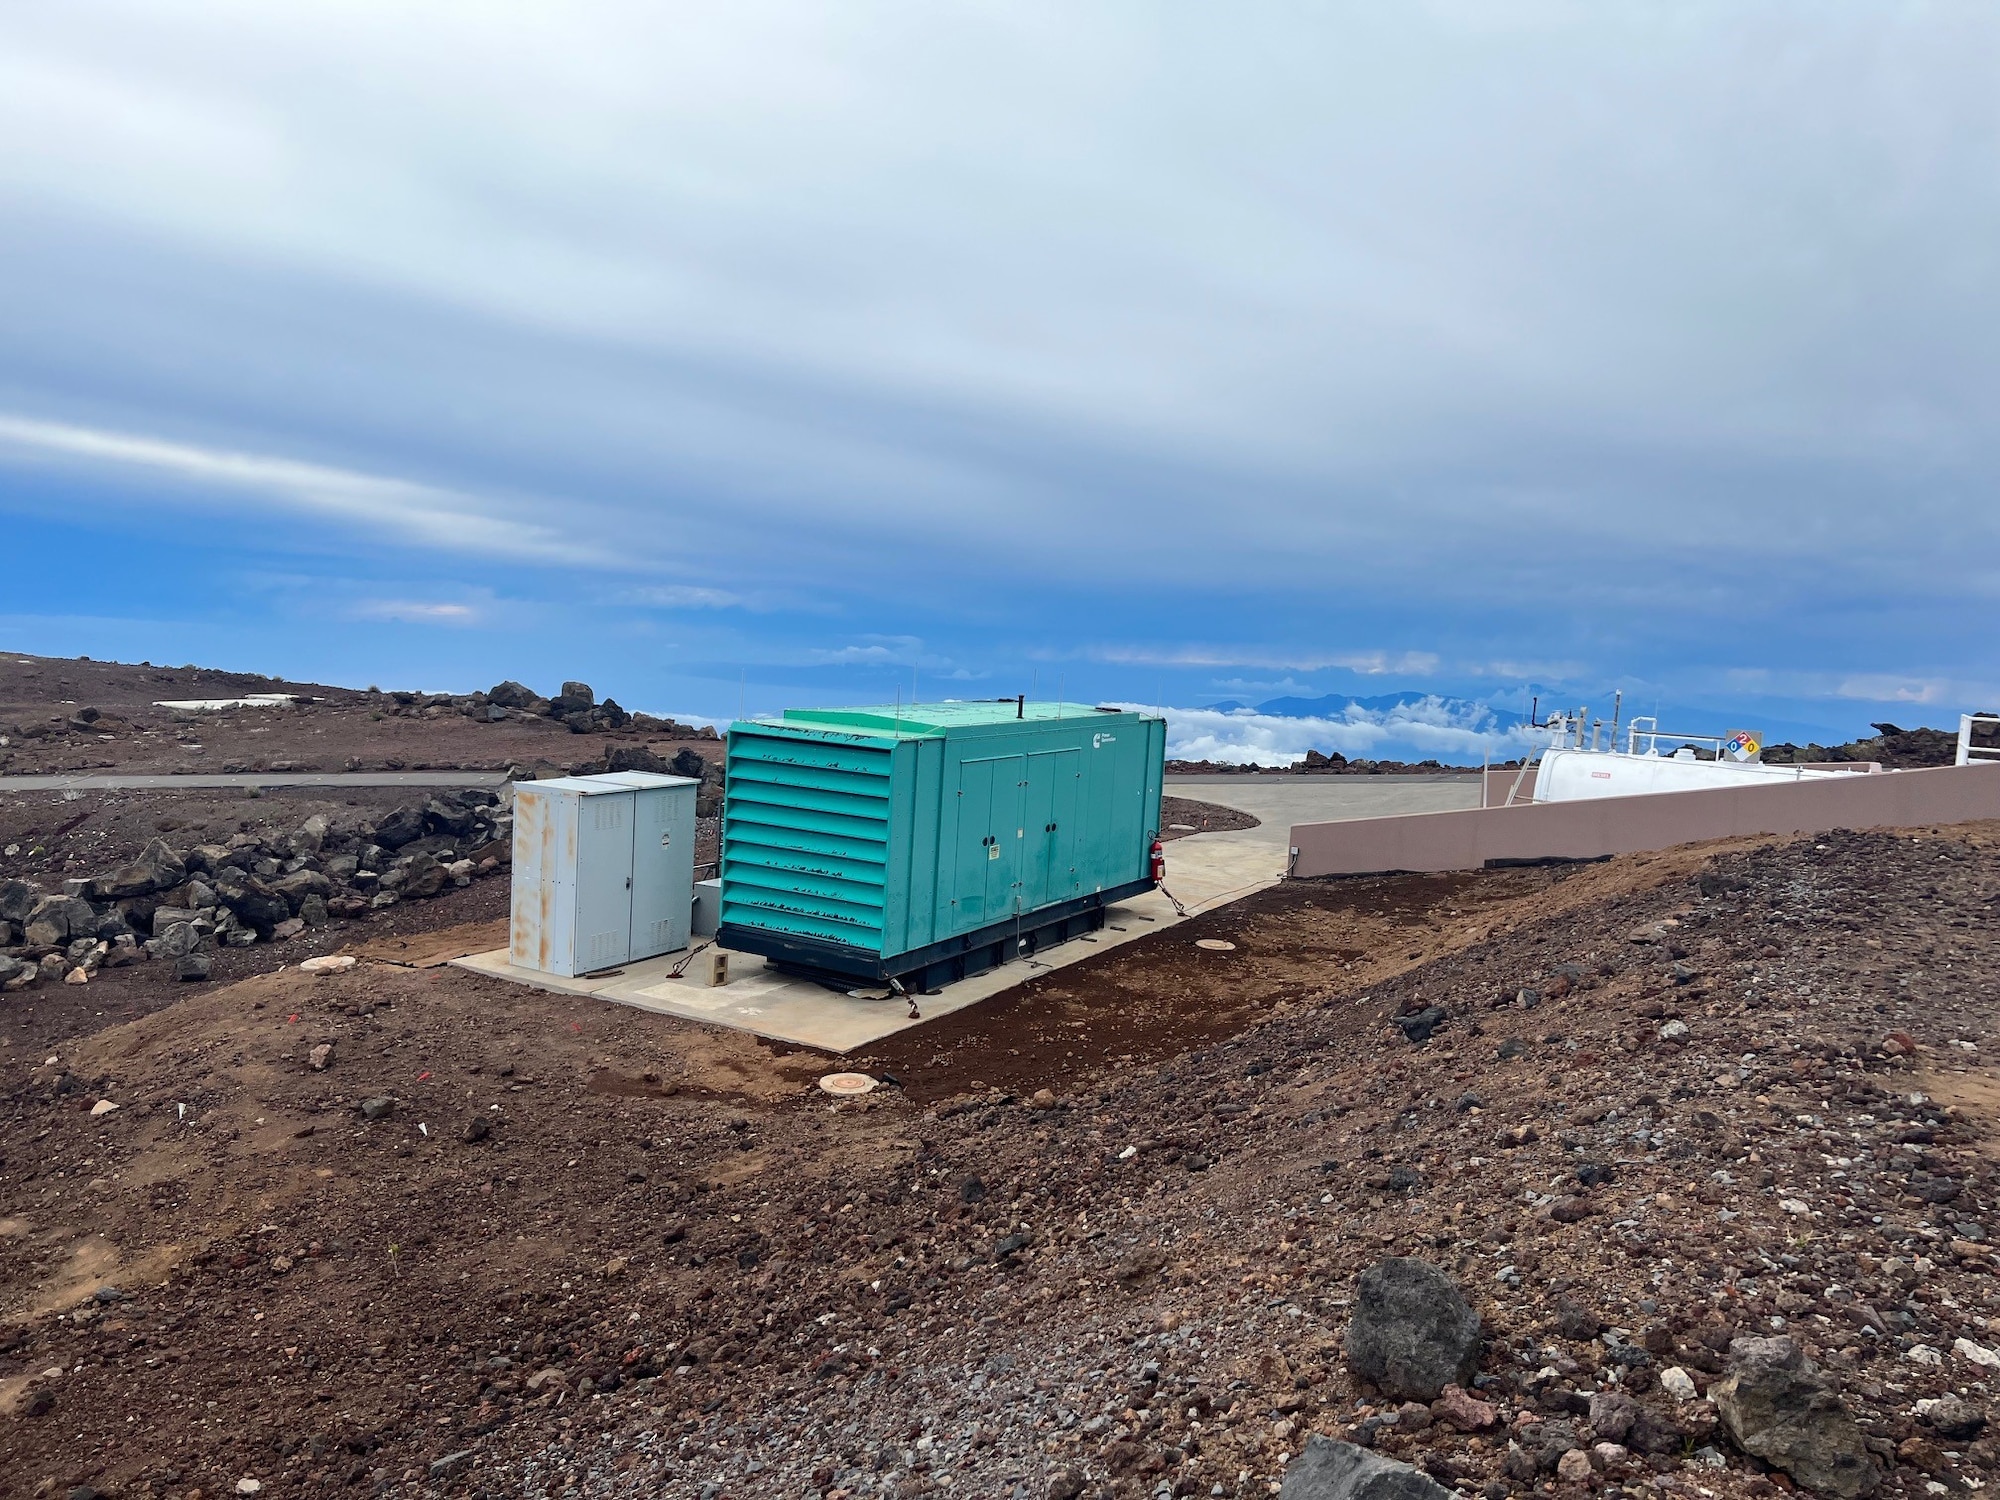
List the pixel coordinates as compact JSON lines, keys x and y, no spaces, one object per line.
{"x":1215,"y":945}
{"x":847,"y":1083}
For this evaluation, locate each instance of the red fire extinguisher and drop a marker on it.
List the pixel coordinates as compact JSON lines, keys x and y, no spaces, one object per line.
{"x":1159,"y":858}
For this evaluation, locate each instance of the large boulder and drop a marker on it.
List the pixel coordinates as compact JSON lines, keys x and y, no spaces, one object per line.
{"x":256,"y":905}
{"x":688,"y":763}
{"x":510,"y":694}
{"x":300,"y":884}
{"x":156,"y":869}
{"x":1776,"y":1406}
{"x":55,"y":920}
{"x":1331,"y":1470}
{"x":1412,"y":1332}
{"x":426,"y":878}
{"x":209,"y":859}
{"x":17,"y":899}
{"x":403,"y":826}
{"x":448,"y":817}
{"x":637,"y":758}
{"x":575,"y":698}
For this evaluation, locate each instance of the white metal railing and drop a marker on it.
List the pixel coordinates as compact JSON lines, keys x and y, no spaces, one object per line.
{"x":1578,"y":731}
{"x":1969,"y":752}
{"x":1652,"y":736}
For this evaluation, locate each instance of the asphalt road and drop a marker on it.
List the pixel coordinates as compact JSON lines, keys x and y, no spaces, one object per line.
{"x":112,"y":781}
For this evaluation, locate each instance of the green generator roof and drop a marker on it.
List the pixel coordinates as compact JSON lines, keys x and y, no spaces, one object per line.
{"x":919,"y":720}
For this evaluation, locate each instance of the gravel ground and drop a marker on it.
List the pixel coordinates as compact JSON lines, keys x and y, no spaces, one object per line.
{"x":1669,"y":1099}
{"x":42,"y":699}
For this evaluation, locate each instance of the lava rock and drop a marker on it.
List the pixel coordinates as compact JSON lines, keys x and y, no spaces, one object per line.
{"x":256,"y":905}
{"x":58,"y":919}
{"x":1574,"y":1320}
{"x":1333,"y":1470}
{"x":177,"y":940}
{"x":1777,"y":1407}
{"x":157,"y":868}
{"x":510,"y":694}
{"x":637,"y":758}
{"x":1418,"y":1028}
{"x":403,"y":826}
{"x":1955,"y":1420}
{"x":17,"y":899}
{"x":1458,"y":1407}
{"x":575,"y":698}
{"x":448,"y":817}
{"x":300,"y":884}
{"x":1412,"y":1332}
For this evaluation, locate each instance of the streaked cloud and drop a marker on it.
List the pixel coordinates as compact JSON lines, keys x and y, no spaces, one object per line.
{"x":416,"y":612}
{"x":1462,"y":345}
{"x":1367,"y":663}
{"x":448,"y":520}
{"x":683,"y":596}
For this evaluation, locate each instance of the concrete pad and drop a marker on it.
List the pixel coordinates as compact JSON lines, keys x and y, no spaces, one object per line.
{"x":1204,"y":871}
{"x":1281,"y":801}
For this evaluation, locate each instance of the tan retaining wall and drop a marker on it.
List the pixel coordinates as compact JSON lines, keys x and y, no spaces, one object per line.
{"x":1626,"y":825}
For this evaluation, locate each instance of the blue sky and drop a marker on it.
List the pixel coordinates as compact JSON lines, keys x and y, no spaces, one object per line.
{"x":758,"y":355}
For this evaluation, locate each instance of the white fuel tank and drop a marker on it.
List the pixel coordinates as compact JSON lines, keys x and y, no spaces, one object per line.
{"x":1574,"y":775}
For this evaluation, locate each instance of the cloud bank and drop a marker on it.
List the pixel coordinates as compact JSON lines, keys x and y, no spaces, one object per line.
{"x":1454,"y":731}
{"x":1346,"y":341}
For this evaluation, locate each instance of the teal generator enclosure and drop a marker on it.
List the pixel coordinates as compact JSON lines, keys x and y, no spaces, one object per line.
{"x":926,"y":843}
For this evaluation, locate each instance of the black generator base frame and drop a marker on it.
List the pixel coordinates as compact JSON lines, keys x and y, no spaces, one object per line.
{"x":937,"y":964}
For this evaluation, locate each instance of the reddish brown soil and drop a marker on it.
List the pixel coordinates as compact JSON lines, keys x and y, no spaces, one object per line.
{"x":1181,"y":816}
{"x":705,"y":1264}
{"x":347,"y":729}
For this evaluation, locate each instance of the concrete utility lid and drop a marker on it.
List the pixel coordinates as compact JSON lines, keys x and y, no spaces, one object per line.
{"x":1215,"y":945}
{"x":845,"y":1084}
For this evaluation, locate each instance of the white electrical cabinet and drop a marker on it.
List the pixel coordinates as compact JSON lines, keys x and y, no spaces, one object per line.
{"x":603,"y":870}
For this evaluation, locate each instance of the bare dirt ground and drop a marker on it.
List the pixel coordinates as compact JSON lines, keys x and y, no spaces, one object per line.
{"x":1181,"y":816}
{"x":585,"y":1250}
{"x":342,"y":729}
{"x":1095,"y":1237}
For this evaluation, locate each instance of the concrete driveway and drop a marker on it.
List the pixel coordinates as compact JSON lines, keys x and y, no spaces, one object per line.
{"x":1281,"y":801}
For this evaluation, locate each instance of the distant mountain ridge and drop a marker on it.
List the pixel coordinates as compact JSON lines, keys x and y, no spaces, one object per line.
{"x":1339,"y":705}
{"x":1476,"y":714}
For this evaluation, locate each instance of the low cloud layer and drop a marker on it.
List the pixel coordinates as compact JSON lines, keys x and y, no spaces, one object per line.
{"x":1431,"y":728}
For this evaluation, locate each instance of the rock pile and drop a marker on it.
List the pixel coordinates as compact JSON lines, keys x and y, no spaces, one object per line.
{"x":177,"y":905}
{"x":575,"y":707}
